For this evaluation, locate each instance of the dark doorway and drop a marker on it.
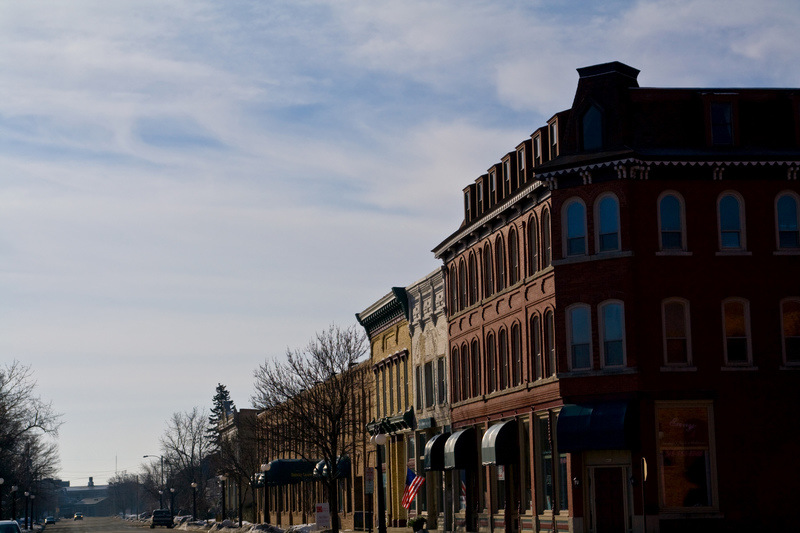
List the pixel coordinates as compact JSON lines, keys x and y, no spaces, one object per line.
{"x":609,"y":497}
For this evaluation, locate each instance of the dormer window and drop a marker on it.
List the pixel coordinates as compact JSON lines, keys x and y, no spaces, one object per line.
{"x":722,"y":123}
{"x":468,"y":205}
{"x":537,"y":150}
{"x":480,"y":197}
{"x":592,"y":128}
{"x":521,"y":164}
{"x":553,"y":130}
{"x":493,"y":186}
{"x":507,"y":176}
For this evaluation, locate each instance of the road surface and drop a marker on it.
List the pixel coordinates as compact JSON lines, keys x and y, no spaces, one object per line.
{"x":98,"y":525}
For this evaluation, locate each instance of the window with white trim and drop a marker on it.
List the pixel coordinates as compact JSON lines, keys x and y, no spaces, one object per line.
{"x":730,"y":217}
{"x":787,"y":221}
{"x":736,"y":329}
{"x":671,"y":222}
{"x":547,"y":257}
{"x":612,"y":333}
{"x":790,"y":326}
{"x":428,"y":384}
{"x":533,"y":246}
{"x":491,"y":362}
{"x":676,"y":327}
{"x":550,"y":343}
{"x":575,"y":224}
{"x":536,"y":347}
{"x":607,"y":223}
{"x":579,"y":331}
{"x":441,"y":380}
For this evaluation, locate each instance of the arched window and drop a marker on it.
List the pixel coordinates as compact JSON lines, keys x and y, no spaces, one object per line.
{"x":476,"y":369}
{"x":453,"y":291}
{"x":550,"y":343}
{"x":503,"y":359}
{"x":790,"y":324}
{"x":730,"y":215}
{"x":592,"y":128}
{"x":491,"y":362}
{"x":575,"y":224}
{"x":787,"y":222}
{"x":546,"y":249}
{"x":677,"y":332}
{"x":500,"y":262}
{"x":579,"y":331}
{"x":607,"y":223}
{"x":455,"y":362}
{"x":473,"y":280}
{"x":462,"y":285}
{"x":671,"y":222}
{"x":536,"y":347}
{"x":488,"y":277}
{"x":513,"y":257}
{"x":533,"y":246}
{"x":465,"y":391}
{"x":612,"y":333}
{"x":736,"y":329}
{"x":516,"y":355}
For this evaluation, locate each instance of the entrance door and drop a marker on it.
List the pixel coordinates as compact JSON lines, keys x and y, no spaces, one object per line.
{"x":609,"y":499}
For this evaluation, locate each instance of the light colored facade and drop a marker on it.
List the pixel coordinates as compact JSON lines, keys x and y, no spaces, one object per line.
{"x":428,"y":327}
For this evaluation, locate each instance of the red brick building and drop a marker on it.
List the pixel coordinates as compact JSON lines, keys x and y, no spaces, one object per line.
{"x":625,"y":291}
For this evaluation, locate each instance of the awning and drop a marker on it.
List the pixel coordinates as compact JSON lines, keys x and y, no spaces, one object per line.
{"x":434,"y":452}
{"x":342,"y":466}
{"x":599,"y":426}
{"x":500,"y":444}
{"x":287,"y":471}
{"x":460,"y":450}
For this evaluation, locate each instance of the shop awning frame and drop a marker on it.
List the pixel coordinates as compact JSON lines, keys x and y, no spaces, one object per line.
{"x":500,"y":444}
{"x":434,"y":452}
{"x":597,"y":426}
{"x":461,"y":450}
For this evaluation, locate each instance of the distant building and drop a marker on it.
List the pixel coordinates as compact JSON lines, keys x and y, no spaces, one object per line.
{"x":625,"y":290}
{"x":91,"y":500}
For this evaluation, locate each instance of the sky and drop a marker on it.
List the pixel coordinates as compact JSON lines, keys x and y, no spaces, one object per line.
{"x":190,"y":187}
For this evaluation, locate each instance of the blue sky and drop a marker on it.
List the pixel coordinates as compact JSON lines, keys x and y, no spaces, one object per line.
{"x":190,"y":187}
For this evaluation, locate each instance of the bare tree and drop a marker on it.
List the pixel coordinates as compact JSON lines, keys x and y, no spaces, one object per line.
{"x":186,"y":449}
{"x":311,"y":401}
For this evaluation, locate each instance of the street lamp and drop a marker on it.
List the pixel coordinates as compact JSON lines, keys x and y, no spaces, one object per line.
{"x":160,"y":500}
{"x":265,"y":468}
{"x":194,"y":500}
{"x":14,"y":490}
{"x":1,"y":498}
{"x":222,"y":487}
{"x":172,"y":501}
{"x":33,"y":514}
{"x":26,"y":508}
{"x":380,"y":440}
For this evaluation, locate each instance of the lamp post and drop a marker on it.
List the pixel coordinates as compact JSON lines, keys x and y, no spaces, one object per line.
{"x":14,"y":490}
{"x":172,"y":501}
{"x":222,"y":487}
{"x":1,"y":498}
{"x":380,"y":440}
{"x":26,"y":508}
{"x":265,"y":468}
{"x":194,"y":500}
{"x":160,"y":492}
{"x":33,"y":514}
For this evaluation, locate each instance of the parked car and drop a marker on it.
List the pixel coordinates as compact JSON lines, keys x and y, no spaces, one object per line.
{"x":9,"y":526}
{"x":162,"y":517}
{"x":78,"y":516}
{"x":49,"y":520}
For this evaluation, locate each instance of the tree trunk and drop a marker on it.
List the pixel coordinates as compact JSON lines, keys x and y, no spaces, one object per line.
{"x":333,"y":496}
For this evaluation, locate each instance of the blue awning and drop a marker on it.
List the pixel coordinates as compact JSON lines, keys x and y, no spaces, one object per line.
{"x":434,"y":452}
{"x":461,"y":451}
{"x":599,"y":426}
{"x":288,"y":471}
{"x":500,"y":444}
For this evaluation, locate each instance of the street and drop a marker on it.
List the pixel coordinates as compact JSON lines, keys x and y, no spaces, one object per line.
{"x":100,"y":524}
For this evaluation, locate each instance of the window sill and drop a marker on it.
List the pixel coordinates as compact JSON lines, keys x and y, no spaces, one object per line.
{"x":679,"y":368}
{"x":739,"y":368}
{"x":733,"y":253}
{"x":675,"y":253}
{"x":786,"y":252}
{"x":689,"y":513}
{"x":790,"y":366}
{"x":615,"y":371}
{"x":587,"y":258}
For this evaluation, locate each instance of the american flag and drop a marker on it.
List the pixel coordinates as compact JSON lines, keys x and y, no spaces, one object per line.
{"x":413,"y":483}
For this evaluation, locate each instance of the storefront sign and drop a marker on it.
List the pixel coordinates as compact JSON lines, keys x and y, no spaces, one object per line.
{"x":323,"y":513}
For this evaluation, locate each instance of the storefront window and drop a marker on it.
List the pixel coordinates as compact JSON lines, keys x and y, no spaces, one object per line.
{"x":545,"y":471}
{"x":685,"y":455}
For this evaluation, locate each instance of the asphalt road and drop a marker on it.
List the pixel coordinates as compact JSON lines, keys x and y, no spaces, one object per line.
{"x":97,"y":525}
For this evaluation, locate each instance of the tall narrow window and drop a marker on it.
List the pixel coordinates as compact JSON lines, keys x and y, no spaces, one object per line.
{"x":592,"y":128}
{"x":465,"y":362}
{"x":455,"y":363}
{"x":468,"y":205}
{"x":473,"y":280}
{"x":516,"y":355}
{"x":612,"y":331}
{"x":480,"y":198}
{"x":550,"y":343}
{"x":500,"y":261}
{"x":503,"y":359}
{"x":521,"y":165}
{"x":670,"y":216}
{"x":730,"y":223}
{"x":491,"y":362}
{"x":441,"y":380}
{"x":677,"y":338}
{"x":389,"y":390}
{"x":476,"y":369}
{"x":420,"y":386}
{"x":575,"y":238}
{"x":488,"y":276}
{"x":580,"y":337}
{"x":537,"y":150}
{"x":736,"y":322}
{"x":722,"y":123}
{"x":546,"y":250}
{"x":493,"y":187}
{"x":536,"y":346}
{"x":533,"y":246}
{"x":453,"y":290}
{"x":507,"y":176}
{"x":378,"y":401}
{"x":607,"y":213}
{"x":553,"y":139}
{"x":405,"y":384}
{"x":462,"y":285}
{"x":513,"y":257}
{"x":428,"y":384}
{"x":790,"y":322}
{"x":787,"y":221}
